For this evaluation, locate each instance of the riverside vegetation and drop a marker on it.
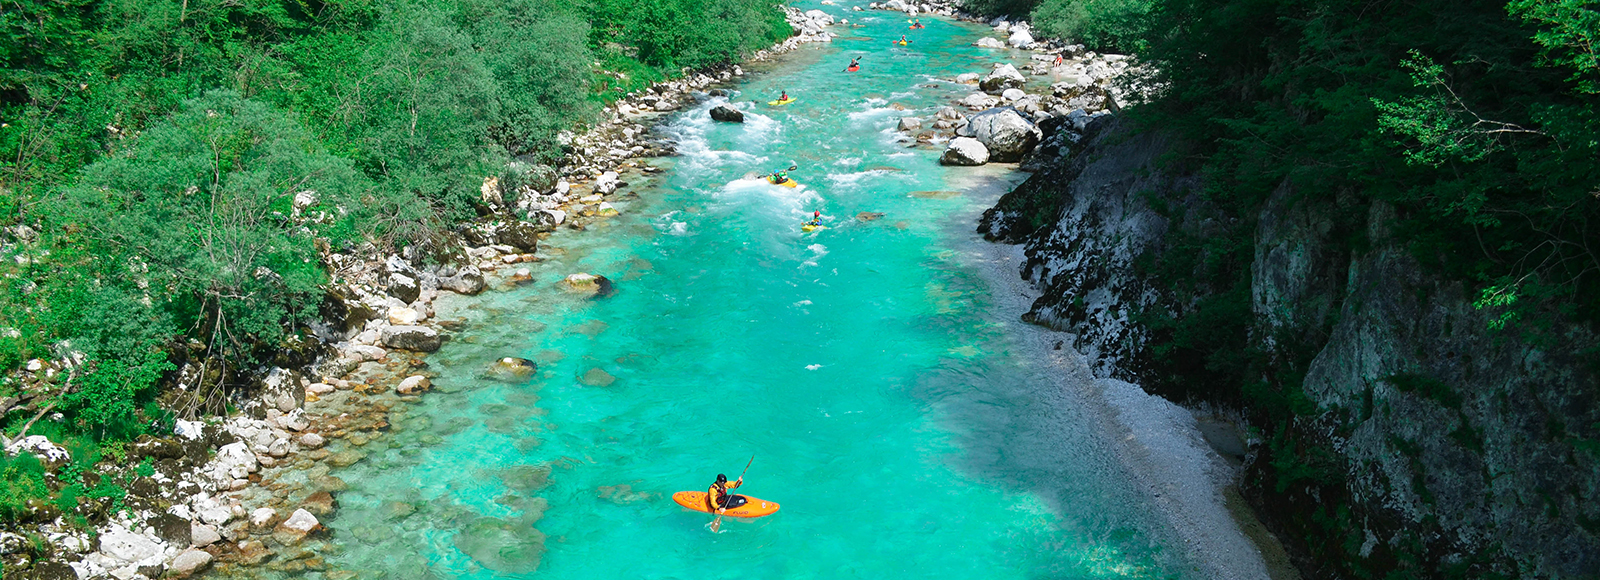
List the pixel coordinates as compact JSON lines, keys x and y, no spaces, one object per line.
{"x":152,"y":155}
{"x":1371,"y":226}
{"x":170,"y":174}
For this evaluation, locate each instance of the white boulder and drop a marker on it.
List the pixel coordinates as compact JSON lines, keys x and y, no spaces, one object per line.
{"x":1005,"y":132}
{"x":964,"y":151}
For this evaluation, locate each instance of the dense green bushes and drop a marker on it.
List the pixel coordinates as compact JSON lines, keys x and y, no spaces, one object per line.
{"x":152,"y":154}
{"x":1102,"y":25}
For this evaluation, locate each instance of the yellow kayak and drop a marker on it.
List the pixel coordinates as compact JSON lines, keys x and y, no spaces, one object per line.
{"x":786,"y":182}
{"x":812,"y":228}
{"x":781,"y":102}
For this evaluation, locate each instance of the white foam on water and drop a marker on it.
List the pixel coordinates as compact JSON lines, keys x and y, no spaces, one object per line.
{"x":847,"y":179}
{"x":873,"y":114}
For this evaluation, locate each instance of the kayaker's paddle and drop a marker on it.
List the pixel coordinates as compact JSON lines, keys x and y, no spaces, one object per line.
{"x":717,"y":523}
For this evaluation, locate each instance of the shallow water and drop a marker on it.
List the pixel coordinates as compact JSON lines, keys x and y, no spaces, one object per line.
{"x":868,"y":367}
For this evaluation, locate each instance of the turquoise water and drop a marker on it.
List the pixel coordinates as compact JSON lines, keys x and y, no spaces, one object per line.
{"x":867,"y":367}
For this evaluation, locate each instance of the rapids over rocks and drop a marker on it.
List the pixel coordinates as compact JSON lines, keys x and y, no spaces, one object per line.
{"x":908,"y":423}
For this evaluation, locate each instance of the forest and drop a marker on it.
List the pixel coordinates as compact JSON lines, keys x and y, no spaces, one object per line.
{"x":167,"y":169}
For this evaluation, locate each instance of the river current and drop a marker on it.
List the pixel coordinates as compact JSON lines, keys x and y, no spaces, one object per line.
{"x":873,"y":369}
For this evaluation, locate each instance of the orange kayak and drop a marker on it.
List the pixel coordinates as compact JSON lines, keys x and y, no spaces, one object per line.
{"x":754,"y":508}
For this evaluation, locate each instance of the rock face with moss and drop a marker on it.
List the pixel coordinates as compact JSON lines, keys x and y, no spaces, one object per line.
{"x":1405,"y":428}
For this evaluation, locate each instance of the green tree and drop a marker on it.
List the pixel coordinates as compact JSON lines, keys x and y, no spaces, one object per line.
{"x":199,"y":211}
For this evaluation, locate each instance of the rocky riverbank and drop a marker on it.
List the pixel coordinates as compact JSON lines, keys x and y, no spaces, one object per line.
{"x":1035,"y":117}
{"x":1424,"y":441}
{"x":247,"y":490}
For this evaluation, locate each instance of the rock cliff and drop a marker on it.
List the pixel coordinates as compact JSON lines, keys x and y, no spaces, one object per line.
{"x":1401,"y":432}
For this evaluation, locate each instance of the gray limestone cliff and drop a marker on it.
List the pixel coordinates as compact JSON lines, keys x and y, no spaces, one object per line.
{"x":1402,"y":433}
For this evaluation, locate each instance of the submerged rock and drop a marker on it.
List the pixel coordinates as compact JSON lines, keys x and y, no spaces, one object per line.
{"x":596,"y":377}
{"x":511,"y":370}
{"x":527,"y":477}
{"x":868,"y":216}
{"x":502,"y":546}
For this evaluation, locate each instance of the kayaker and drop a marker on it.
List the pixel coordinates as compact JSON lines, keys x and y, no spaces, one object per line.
{"x":778,"y":177}
{"x":717,"y":498}
{"x":854,"y":62}
{"x":816,"y":219}
{"x":903,"y":39}
{"x":784,"y":97}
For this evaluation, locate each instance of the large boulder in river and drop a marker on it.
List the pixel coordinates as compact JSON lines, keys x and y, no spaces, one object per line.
{"x":965,"y":151}
{"x":588,"y":284}
{"x":418,"y":338}
{"x":1004,"y":77}
{"x":727,"y":114}
{"x":1006,"y":133}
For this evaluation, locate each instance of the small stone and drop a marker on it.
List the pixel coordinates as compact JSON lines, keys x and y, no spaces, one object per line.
{"x":202,"y":535}
{"x":329,"y":483}
{"x":346,"y":458}
{"x":413,"y":384}
{"x":312,"y":441}
{"x":252,"y":552}
{"x":262,"y":516}
{"x":295,"y":529}
{"x":188,"y":563}
{"x":320,"y":503}
{"x":403,"y":316}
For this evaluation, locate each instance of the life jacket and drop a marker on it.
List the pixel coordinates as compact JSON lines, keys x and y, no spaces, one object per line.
{"x":717,"y":496}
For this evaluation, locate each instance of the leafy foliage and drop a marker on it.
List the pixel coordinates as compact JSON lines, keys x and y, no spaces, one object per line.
{"x":1105,"y":25}
{"x":153,"y":154}
{"x":21,"y":479}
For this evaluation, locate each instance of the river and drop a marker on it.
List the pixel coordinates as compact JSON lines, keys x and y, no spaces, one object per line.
{"x":907,"y":423}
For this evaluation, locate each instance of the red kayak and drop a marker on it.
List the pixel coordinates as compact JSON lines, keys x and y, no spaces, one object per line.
{"x":852,"y":69}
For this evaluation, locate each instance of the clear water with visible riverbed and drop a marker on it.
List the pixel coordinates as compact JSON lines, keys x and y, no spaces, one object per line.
{"x":868,"y":367}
